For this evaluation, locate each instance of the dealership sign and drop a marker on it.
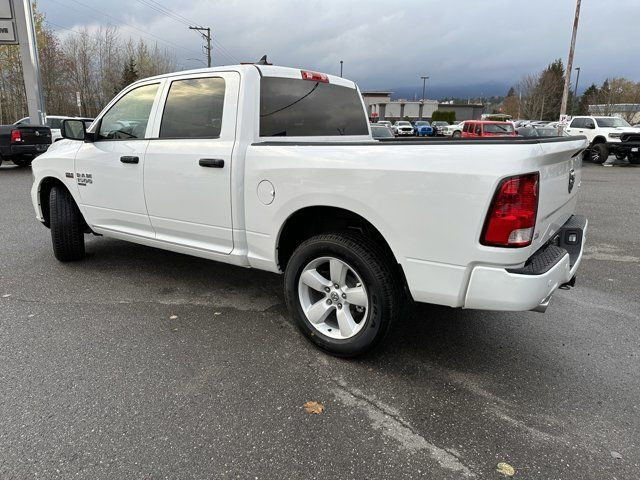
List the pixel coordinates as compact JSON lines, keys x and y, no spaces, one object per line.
{"x":7,"y":25}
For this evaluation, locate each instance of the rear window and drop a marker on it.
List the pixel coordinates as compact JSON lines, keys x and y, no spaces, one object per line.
{"x":302,"y":108}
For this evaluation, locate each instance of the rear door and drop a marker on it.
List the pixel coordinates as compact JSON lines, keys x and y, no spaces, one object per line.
{"x":187,"y":179}
{"x":109,"y":170}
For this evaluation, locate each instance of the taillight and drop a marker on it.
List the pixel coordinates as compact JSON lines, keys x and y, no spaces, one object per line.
{"x":511,"y":219}
{"x":16,"y":136}
{"x":314,"y":76}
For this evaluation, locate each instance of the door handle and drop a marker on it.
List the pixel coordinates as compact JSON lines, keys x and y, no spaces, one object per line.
{"x":211,"y":162}
{"x":129,"y":159}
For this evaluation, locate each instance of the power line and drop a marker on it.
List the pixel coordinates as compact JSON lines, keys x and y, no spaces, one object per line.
{"x":156,"y":6}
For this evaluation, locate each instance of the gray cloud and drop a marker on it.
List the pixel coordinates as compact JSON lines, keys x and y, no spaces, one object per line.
{"x":387,"y":44}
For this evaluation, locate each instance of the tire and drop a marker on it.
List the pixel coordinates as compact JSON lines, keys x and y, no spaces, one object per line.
{"x":456,"y":134}
{"x":634,"y":159}
{"x":67,"y":226}
{"x":371,"y":277}
{"x":23,"y":161}
{"x":598,"y":153}
{"x":620,"y":155}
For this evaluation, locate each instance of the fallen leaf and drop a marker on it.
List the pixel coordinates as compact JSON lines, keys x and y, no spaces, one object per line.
{"x":616,"y":455}
{"x":6,"y":295}
{"x":313,"y":407}
{"x":506,"y":469}
{"x":173,"y":317}
{"x":217,"y":313}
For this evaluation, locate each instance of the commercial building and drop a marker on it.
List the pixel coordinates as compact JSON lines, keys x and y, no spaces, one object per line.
{"x":629,"y":111}
{"x":380,"y":106}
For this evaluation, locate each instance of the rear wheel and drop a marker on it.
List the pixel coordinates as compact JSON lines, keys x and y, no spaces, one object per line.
{"x":457,"y":134}
{"x":343,"y":293}
{"x":620,"y":155}
{"x":598,"y":153}
{"x":67,"y":226}
{"x":23,"y":161}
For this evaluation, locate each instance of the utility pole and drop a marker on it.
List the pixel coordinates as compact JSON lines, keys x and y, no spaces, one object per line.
{"x":207,"y":37}
{"x":567,"y":77}
{"x":575,"y":92}
{"x":341,"y":62}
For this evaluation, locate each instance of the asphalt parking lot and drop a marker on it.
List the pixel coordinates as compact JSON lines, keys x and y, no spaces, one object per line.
{"x":140,"y":363}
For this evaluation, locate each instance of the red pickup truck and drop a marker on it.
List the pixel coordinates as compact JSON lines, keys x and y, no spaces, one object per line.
{"x":486,"y":128}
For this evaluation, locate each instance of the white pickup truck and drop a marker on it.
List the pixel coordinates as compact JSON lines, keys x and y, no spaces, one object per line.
{"x":274,"y":168}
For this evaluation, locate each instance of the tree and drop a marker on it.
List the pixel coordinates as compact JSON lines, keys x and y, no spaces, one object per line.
{"x":129,"y":74}
{"x":588,"y":97}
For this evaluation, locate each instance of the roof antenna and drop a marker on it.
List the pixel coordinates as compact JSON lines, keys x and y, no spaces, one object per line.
{"x":263,"y":61}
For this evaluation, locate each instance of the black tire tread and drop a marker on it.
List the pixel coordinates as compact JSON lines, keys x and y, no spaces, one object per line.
{"x":384,"y":270}
{"x":67,"y":226}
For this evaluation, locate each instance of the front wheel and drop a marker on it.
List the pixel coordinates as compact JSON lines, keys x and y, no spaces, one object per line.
{"x":343,"y":292}
{"x":67,"y":226}
{"x":599,"y":153}
{"x":456,"y":134}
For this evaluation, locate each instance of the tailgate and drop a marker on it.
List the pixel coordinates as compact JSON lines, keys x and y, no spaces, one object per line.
{"x":560,"y":174}
{"x":35,"y":134}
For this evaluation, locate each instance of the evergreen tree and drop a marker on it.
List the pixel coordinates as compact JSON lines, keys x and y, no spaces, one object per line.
{"x":129,"y":74}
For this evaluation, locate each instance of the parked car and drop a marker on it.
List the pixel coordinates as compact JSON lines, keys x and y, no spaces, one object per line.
{"x":485,"y":128}
{"x":439,"y":127}
{"x":422,"y":128}
{"x":22,"y":143}
{"x":454,"y":131}
{"x":298,"y":188}
{"x":607,"y":135}
{"x":543,"y":131}
{"x":54,"y":122}
{"x":381,"y":131}
{"x":385,"y":123}
{"x":402,"y":127}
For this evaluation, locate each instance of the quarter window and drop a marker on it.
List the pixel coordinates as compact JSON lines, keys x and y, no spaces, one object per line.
{"x":128,"y":118}
{"x":193,"y":108}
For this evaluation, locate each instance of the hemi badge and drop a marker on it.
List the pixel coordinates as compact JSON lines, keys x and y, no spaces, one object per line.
{"x":68,"y":174}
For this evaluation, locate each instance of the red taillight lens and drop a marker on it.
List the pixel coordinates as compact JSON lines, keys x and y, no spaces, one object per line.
{"x":511,"y":219}
{"x":16,"y":136}
{"x":314,"y":76}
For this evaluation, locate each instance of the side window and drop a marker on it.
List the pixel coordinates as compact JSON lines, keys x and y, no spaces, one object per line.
{"x":577,"y":123}
{"x":129,"y":116}
{"x":478,"y":129}
{"x":193,"y":108}
{"x":465,"y":127}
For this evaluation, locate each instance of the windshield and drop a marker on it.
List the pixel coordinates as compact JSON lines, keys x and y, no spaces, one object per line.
{"x":381,"y":132}
{"x":404,"y":124}
{"x":611,"y":122}
{"x":422,"y":124}
{"x":498,"y":128}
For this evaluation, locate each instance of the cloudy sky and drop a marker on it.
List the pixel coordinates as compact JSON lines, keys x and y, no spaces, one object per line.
{"x":465,"y":46}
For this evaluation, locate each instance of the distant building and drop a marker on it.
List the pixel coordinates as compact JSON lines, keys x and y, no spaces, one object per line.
{"x":629,"y":111}
{"x":380,"y":107}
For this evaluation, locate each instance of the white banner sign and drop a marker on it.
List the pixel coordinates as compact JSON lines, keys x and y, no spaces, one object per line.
{"x":6,"y":12}
{"x":7,"y":33}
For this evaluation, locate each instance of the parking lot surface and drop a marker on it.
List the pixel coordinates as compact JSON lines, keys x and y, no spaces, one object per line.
{"x":141,"y":363}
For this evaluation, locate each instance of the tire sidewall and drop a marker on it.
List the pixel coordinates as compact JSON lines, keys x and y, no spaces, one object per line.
{"x":374,"y":327}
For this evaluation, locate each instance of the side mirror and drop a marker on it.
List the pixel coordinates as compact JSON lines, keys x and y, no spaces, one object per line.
{"x":73,"y":129}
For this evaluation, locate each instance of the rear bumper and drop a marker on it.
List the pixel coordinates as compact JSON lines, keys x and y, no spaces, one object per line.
{"x":531,"y":286}
{"x":37,"y":149}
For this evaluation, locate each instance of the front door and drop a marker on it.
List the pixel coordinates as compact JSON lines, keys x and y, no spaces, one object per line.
{"x":187,"y":178}
{"x":109,"y":171}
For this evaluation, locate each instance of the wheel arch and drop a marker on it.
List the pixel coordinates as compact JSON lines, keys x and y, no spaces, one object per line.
{"x":314,"y":220}
{"x":44,"y":190}
{"x":599,"y":139}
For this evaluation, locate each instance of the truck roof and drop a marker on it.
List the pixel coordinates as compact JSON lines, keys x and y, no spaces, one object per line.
{"x":264,"y":70}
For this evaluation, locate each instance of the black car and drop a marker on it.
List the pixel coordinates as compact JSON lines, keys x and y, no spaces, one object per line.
{"x":22,"y":143}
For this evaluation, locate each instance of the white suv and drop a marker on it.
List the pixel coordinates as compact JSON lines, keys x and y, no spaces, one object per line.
{"x":607,"y":135}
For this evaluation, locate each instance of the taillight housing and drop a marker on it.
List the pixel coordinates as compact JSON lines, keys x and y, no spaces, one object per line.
{"x":16,"y":136}
{"x":314,"y":76}
{"x":511,"y":218}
